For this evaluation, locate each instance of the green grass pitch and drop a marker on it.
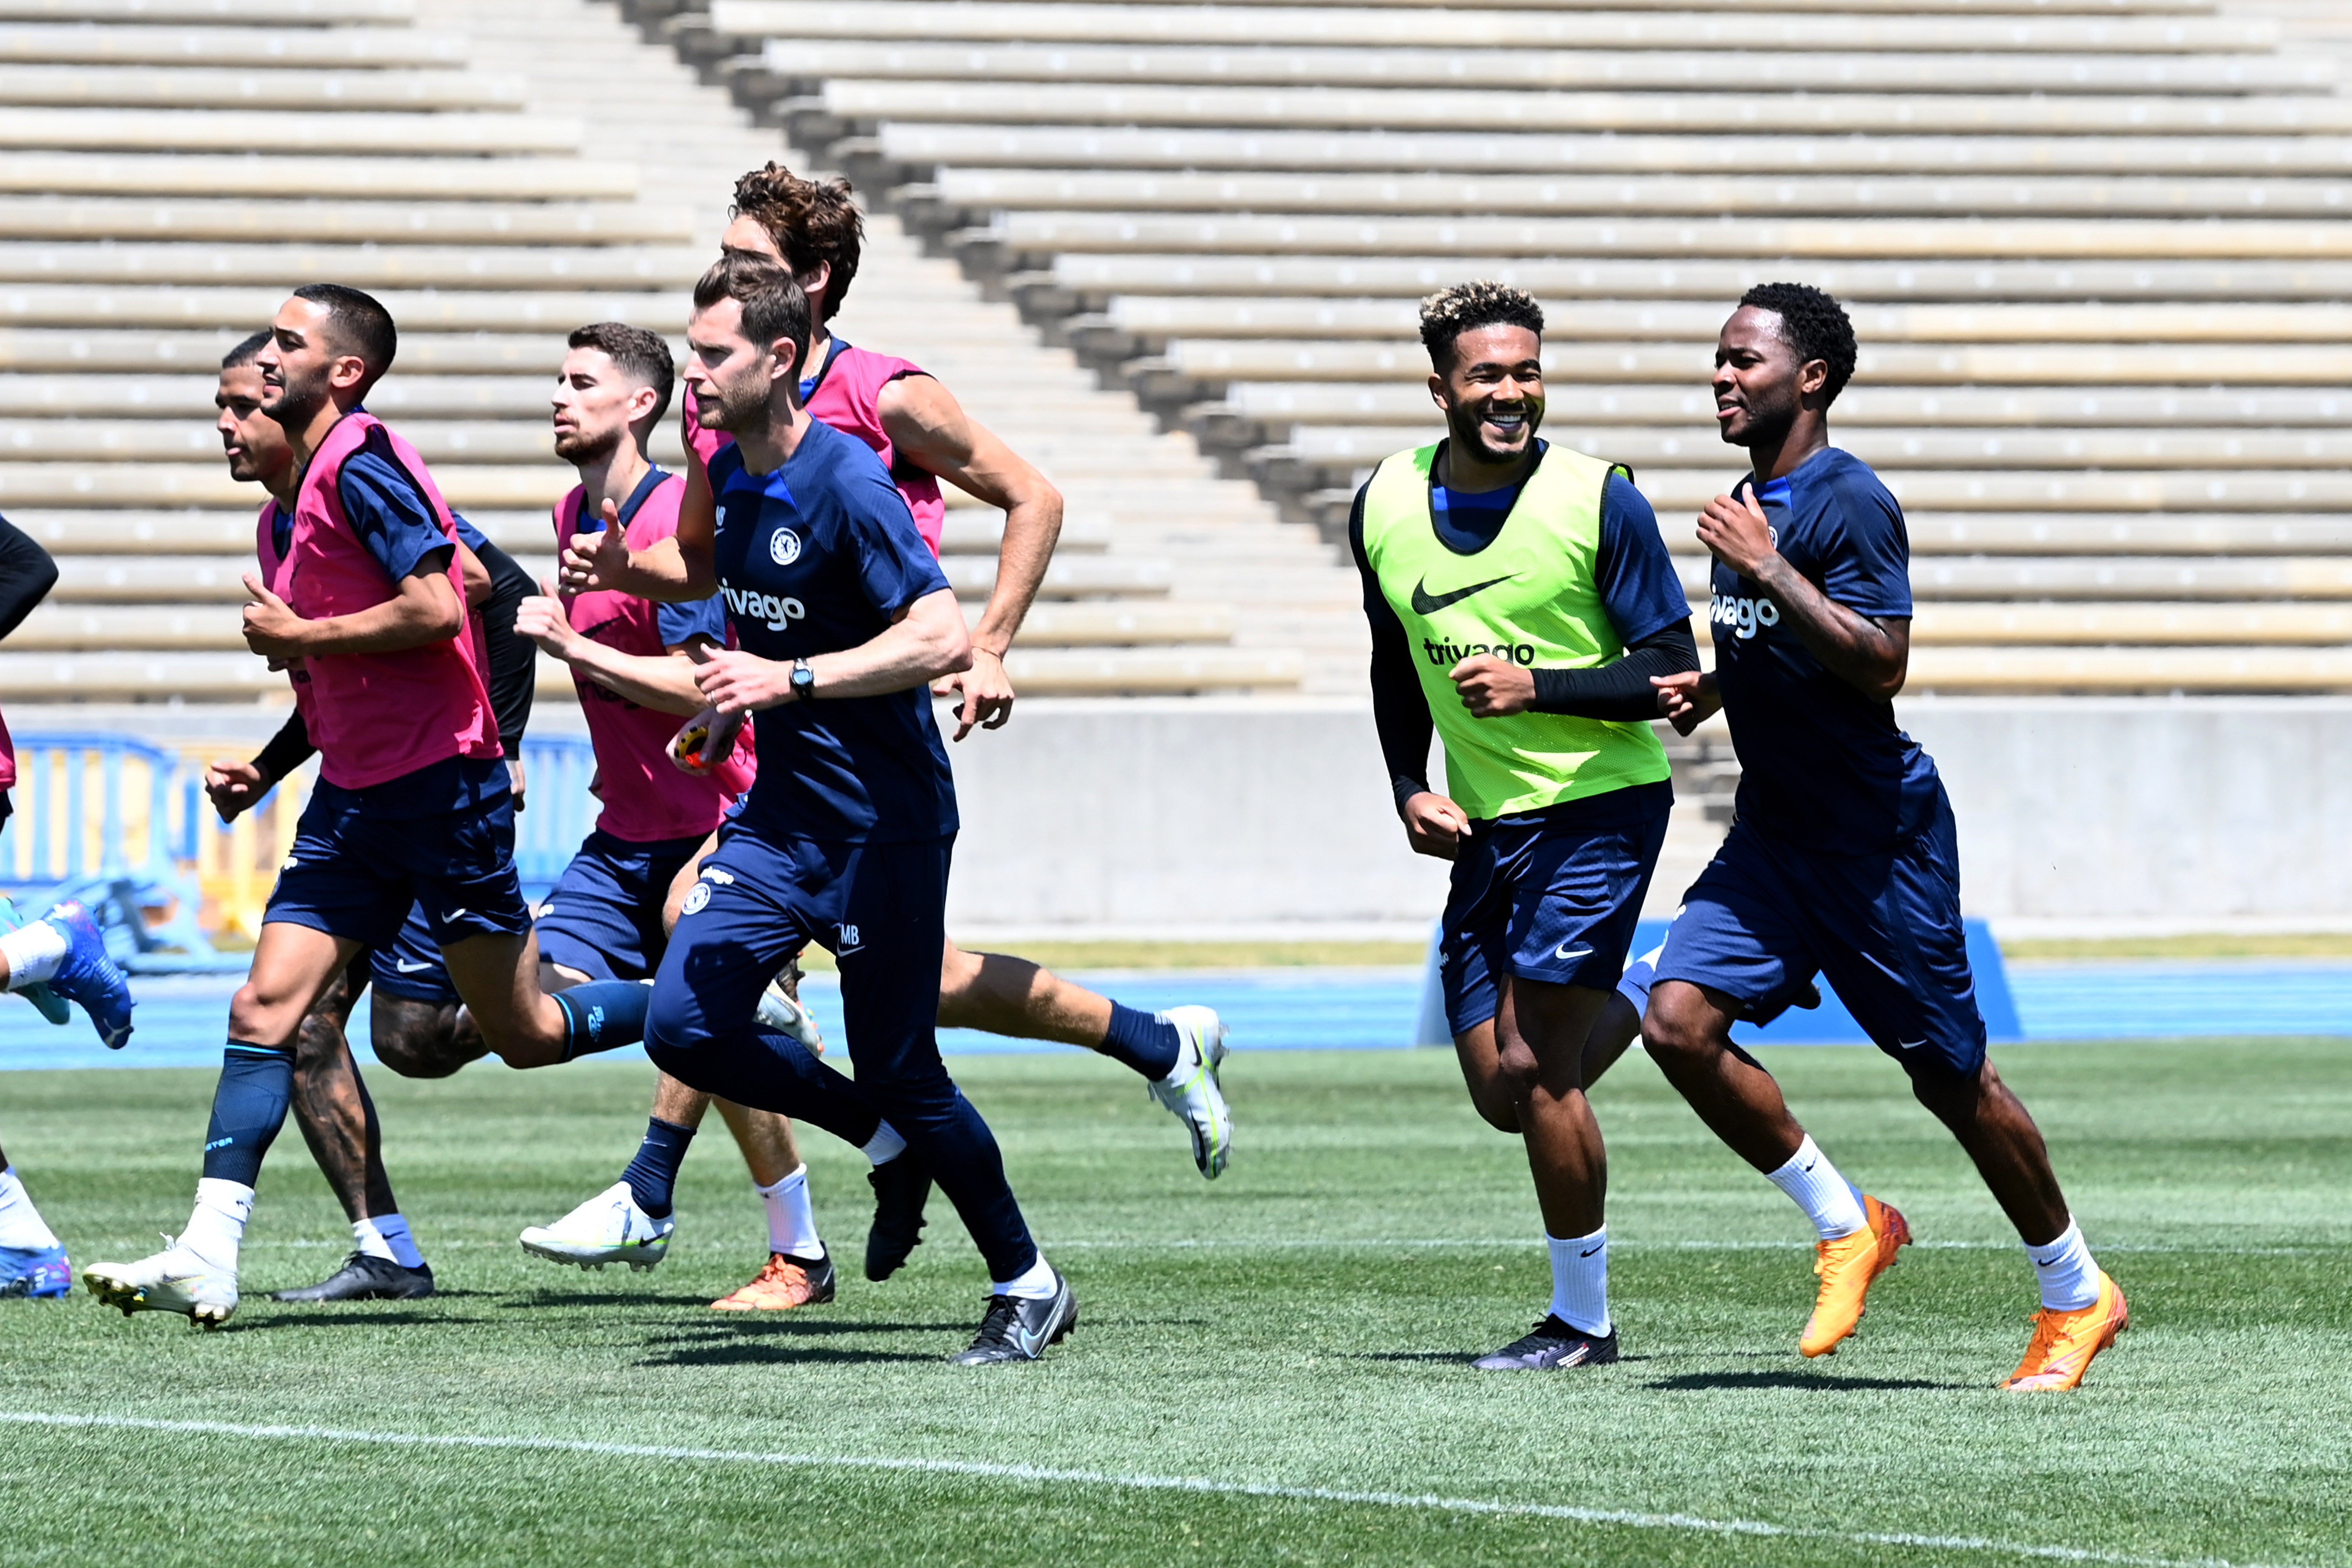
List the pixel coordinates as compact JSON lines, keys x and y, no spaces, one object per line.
{"x":1270,"y":1369}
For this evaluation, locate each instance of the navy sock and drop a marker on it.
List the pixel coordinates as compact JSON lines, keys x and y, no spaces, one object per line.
{"x":653,"y":1171}
{"x":772,"y":1071}
{"x":603,"y":1015}
{"x":256,"y":1085}
{"x":1150,"y":1044}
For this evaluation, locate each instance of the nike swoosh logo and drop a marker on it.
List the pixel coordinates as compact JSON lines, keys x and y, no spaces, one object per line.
{"x":1425,"y":603}
{"x":1909,"y":1045}
{"x":1562,"y":952}
{"x":1589,"y":1254}
{"x":407,"y":968}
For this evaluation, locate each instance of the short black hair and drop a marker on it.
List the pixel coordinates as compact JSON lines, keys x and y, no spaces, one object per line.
{"x":773,"y":305}
{"x":359,"y":322}
{"x":1815,"y":325}
{"x":641,"y":356}
{"x":246,"y":352}
{"x":1465,"y":306}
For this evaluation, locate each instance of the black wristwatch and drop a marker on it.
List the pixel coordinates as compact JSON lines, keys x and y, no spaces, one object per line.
{"x":803,"y":681}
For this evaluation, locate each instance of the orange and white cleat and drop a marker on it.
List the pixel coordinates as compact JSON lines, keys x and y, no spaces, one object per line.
{"x":785,"y":1283}
{"x":2064,"y":1342}
{"x":1848,"y":1266}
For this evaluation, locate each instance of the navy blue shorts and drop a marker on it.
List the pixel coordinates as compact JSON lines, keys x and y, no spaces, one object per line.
{"x":604,"y":918}
{"x":355,"y":874}
{"x":881,"y":909}
{"x":1885,"y":929}
{"x":410,"y":965}
{"x":1552,"y":895}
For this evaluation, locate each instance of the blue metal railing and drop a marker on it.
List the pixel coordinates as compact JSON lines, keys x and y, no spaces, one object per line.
{"x":82,"y":828}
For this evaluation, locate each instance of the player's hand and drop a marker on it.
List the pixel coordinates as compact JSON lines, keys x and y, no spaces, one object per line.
{"x":733,"y":681}
{"x":1734,"y":530}
{"x":1688,"y":699}
{"x":543,"y":619}
{"x":986,"y":693}
{"x":1433,"y":824}
{"x":272,"y":629}
{"x":596,"y":560}
{"x":1492,"y":688}
{"x":235,"y":788}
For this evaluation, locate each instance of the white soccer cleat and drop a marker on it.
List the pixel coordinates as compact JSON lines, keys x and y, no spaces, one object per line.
{"x":173,"y":1281}
{"x":608,"y":1228}
{"x":1190,"y":1090}
{"x":786,"y":1014}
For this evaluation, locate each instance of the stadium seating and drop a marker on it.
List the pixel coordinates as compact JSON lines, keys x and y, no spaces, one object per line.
{"x":2099,"y":253}
{"x":498,"y":173}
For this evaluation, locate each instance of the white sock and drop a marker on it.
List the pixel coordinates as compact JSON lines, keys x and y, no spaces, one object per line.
{"x":792,"y":1222}
{"x":386,"y":1236}
{"x":2069,"y":1280}
{"x":33,"y":952}
{"x":885,"y":1146}
{"x":20,"y":1223}
{"x":217,"y":1227}
{"x":1036,"y":1284}
{"x":1580,"y":1280}
{"x":1814,"y":1186}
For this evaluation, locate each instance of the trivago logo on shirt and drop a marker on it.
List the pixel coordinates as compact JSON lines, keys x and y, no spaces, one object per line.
{"x":1446,"y":655}
{"x":774,"y":611}
{"x":1743,"y":616}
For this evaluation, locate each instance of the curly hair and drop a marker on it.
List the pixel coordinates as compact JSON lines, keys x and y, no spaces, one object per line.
{"x":1465,"y":306}
{"x":810,"y":221}
{"x":1813,"y":325}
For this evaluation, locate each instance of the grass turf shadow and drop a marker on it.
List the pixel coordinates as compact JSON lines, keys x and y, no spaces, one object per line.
{"x":1703,"y":1382}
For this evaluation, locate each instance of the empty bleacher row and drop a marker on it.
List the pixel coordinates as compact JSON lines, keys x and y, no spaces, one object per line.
{"x":2099,"y":255}
{"x":498,"y":173}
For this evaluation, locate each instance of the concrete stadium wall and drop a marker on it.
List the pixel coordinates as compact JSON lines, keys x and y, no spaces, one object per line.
{"x":1265,"y":817}
{"x":2083,"y":815}
{"x":2198,"y":814}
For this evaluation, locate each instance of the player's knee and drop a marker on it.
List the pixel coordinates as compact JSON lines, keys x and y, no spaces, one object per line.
{"x":673,"y":1023}
{"x":1674,"y":1030}
{"x":1948,"y":1089}
{"x":258,"y":1017}
{"x":421,"y":1040}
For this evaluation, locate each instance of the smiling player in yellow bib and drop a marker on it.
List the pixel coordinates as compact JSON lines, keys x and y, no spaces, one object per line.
{"x":1520,"y":600}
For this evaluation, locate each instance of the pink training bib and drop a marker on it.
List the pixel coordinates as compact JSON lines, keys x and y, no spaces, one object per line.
{"x":647,"y":798}
{"x":848,"y":396}
{"x":375,"y":717}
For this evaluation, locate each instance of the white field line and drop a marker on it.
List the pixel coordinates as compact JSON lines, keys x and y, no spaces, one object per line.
{"x":1420,"y":1243}
{"x":1626,"y":1518}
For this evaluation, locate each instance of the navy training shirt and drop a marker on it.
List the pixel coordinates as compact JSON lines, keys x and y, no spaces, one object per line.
{"x":1822,"y":765}
{"x":818,"y":556}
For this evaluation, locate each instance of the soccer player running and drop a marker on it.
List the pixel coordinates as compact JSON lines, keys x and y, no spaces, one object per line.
{"x":58,"y":957}
{"x":632,"y":662}
{"x":1843,"y":859}
{"x":1522,"y":602}
{"x":844,"y":620}
{"x":923,"y":435}
{"x":414,"y":802}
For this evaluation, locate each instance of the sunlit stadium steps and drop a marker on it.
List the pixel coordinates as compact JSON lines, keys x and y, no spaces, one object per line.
{"x":1720,"y":27}
{"x":168,"y":160}
{"x":919,"y":144}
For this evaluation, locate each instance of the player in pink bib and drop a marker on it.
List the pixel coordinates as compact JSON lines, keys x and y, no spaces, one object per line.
{"x":923,"y":435}
{"x":414,"y":804}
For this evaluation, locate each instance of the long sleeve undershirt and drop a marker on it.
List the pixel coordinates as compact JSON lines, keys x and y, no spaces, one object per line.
{"x":27,"y":575}
{"x":1619,"y":691}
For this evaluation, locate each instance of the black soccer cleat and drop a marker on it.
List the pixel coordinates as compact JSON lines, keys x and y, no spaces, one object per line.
{"x":1553,"y":1343}
{"x":364,"y":1278}
{"x":1019,"y":1327}
{"x":901,"y":1187}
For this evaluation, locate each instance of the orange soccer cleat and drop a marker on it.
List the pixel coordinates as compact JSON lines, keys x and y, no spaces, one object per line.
{"x":785,"y":1283}
{"x":1848,"y":1266}
{"x":2064,"y":1342}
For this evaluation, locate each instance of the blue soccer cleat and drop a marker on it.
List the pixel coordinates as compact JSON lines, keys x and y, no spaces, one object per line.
{"x":39,"y":1272}
{"x":51,"y":1005}
{"x":88,"y":976}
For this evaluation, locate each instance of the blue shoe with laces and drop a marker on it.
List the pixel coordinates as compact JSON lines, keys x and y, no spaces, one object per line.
{"x":41,"y":1273}
{"x":88,"y":976}
{"x":51,"y":1005}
